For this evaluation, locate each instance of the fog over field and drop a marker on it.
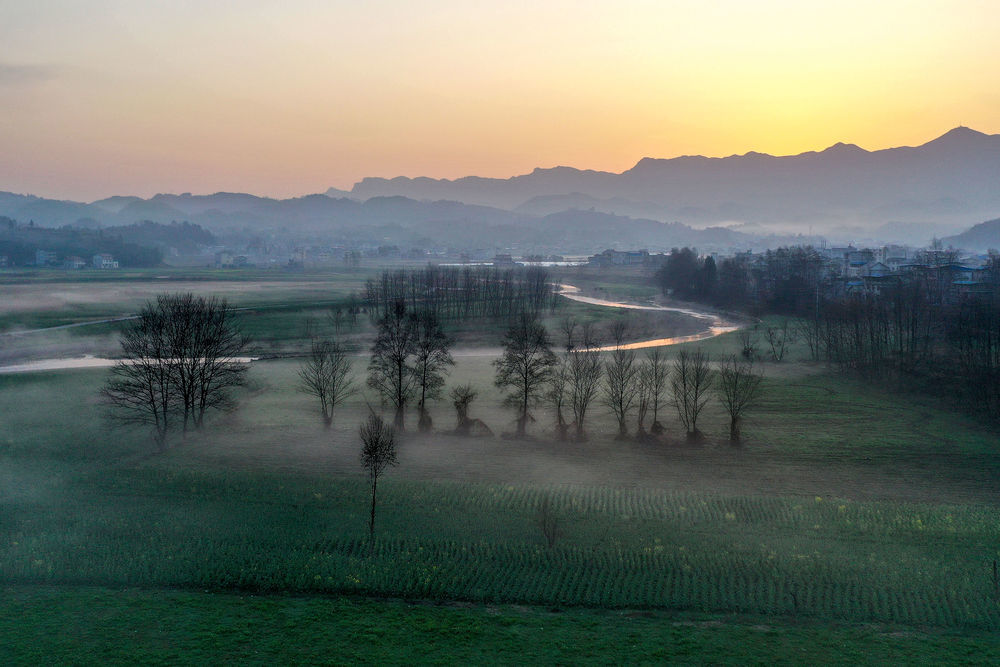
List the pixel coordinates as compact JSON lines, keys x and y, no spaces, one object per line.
{"x":475,"y":333}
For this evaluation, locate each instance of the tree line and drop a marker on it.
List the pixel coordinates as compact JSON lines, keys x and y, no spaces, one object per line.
{"x":20,"y":242}
{"x":410,"y":358}
{"x":461,"y":292}
{"x":912,"y":331}
{"x":181,"y":359}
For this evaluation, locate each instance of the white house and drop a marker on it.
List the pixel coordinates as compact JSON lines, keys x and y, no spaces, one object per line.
{"x":104,"y":261}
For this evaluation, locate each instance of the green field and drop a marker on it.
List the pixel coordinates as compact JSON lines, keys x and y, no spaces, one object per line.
{"x":87,"y":625}
{"x":855,"y":525}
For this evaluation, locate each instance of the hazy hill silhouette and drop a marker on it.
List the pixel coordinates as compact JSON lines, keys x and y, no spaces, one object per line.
{"x":845,"y":192}
{"x":950,"y":180}
{"x":982,"y":237}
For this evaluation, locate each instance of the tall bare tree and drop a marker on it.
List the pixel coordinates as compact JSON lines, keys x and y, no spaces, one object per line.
{"x":739,"y":387}
{"x":430,"y":364}
{"x":558,"y":394}
{"x":206,"y":346}
{"x":389,"y":371}
{"x":140,"y":389}
{"x":378,"y":452}
{"x":525,"y":366}
{"x":655,"y":374}
{"x":621,"y":377}
{"x":643,"y":399}
{"x":326,"y":374}
{"x":690,"y":382}
{"x":584,"y":377}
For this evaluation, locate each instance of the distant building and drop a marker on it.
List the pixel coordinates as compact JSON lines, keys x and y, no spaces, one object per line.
{"x":45,"y":257}
{"x":620,"y":258}
{"x":74,"y":262}
{"x":4,"y":261}
{"x":504,"y":260}
{"x":104,"y":261}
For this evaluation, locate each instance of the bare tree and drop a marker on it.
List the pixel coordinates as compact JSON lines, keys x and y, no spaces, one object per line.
{"x":584,"y":378}
{"x":326,"y":374}
{"x":621,"y":378}
{"x":690,"y":382}
{"x":748,"y":337}
{"x":140,"y":389}
{"x":378,"y":452}
{"x":558,"y":395}
{"x":431,"y":359}
{"x":739,"y":389}
{"x":205,"y":347}
{"x":655,"y":375}
{"x":568,"y":327}
{"x":779,"y":338}
{"x":310,"y":328}
{"x":180,"y":359}
{"x":810,"y":328}
{"x":336,"y":317}
{"x":389,"y":371}
{"x":643,"y":399}
{"x":525,"y":366}
{"x":462,"y":397}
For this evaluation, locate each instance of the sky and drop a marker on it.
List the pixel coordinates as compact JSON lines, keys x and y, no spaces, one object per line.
{"x":105,"y":97}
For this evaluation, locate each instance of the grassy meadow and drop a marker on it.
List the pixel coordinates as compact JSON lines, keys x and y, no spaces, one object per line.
{"x":855,"y":525}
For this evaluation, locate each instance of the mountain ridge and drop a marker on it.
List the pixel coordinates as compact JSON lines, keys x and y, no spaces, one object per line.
{"x":843,"y":184}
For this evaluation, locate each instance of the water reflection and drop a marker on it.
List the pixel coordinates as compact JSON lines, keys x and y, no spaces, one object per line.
{"x":86,"y":361}
{"x":717,"y":326}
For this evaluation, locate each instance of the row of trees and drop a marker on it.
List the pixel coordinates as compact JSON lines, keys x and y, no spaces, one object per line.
{"x":903,"y":336}
{"x":461,"y":292}
{"x":533,"y":374}
{"x":182,"y":359}
{"x":410,"y":358}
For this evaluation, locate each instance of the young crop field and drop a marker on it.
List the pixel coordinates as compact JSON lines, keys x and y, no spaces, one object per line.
{"x":84,"y":509}
{"x":847,"y":504}
{"x":620,"y":548}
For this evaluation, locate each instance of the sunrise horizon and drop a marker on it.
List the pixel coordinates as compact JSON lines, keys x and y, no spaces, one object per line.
{"x":152,"y":190}
{"x":114,"y":97}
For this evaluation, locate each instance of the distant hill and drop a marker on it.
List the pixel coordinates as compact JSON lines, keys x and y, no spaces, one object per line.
{"x":944,"y":181}
{"x":980,"y":238}
{"x":906,"y":194}
{"x":376,"y":221}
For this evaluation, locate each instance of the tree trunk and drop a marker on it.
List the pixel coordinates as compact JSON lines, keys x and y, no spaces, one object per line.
{"x":371,"y":521}
{"x":734,"y":431}
{"x":425,"y":423}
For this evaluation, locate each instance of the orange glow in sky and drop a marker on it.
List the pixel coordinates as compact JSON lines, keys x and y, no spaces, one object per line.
{"x":121,"y":97}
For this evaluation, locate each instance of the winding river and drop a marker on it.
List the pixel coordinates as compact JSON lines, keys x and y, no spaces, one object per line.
{"x":714,"y":326}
